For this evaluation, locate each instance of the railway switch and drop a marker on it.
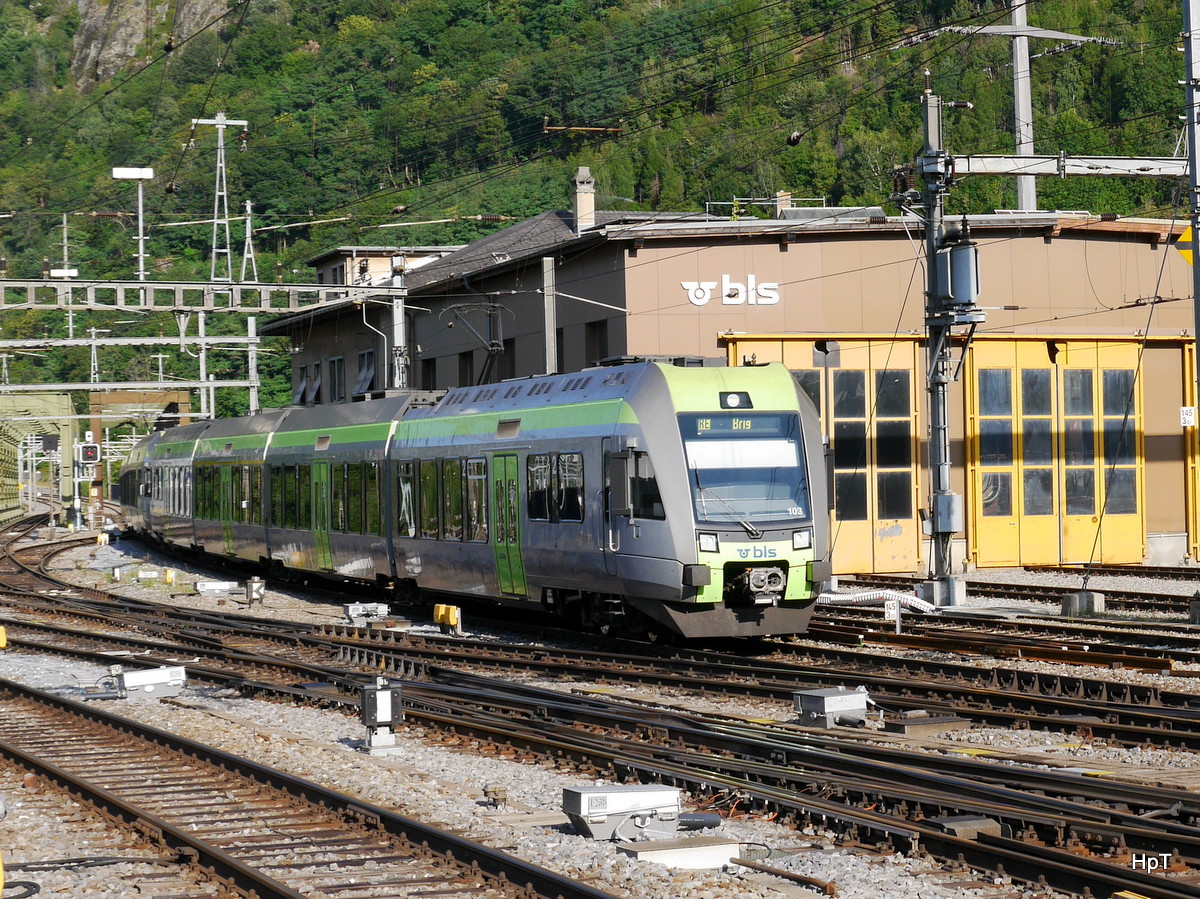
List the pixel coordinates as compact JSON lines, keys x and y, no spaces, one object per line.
{"x":381,"y":712}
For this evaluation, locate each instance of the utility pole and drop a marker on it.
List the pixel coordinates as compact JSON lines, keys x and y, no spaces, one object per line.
{"x":220,"y":220}
{"x":1022,"y":104}
{"x":1020,"y":33}
{"x":550,"y":325}
{"x":951,"y":290}
{"x":248,"y":248}
{"x":1191,"y":49}
{"x":399,"y":325}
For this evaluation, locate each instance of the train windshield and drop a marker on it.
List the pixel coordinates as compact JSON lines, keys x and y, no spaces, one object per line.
{"x":746,"y":468}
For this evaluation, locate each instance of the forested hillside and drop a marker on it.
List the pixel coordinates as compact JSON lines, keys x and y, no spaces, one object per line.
{"x":373,"y":112}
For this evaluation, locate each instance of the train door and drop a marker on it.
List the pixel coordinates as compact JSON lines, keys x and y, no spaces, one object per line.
{"x":506,"y":524}
{"x":225,"y":488}
{"x":608,"y":539}
{"x":320,"y":515}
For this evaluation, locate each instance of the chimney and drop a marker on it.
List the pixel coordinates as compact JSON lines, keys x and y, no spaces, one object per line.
{"x":783,"y":200}
{"x":585,"y":200}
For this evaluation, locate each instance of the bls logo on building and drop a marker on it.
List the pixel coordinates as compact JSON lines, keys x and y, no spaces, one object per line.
{"x":733,"y":293}
{"x":758,"y":552}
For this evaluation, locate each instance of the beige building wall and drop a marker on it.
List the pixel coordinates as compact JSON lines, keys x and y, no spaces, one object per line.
{"x":1082,"y":280}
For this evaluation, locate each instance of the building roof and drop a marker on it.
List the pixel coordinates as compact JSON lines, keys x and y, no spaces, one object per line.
{"x":529,"y":239}
{"x":553,"y":231}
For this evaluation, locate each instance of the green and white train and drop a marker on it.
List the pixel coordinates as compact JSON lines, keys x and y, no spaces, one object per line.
{"x":641,"y":498}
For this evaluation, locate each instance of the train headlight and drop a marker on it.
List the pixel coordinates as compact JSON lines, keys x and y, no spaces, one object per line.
{"x":709,"y":543}
{"x":802,"y":539}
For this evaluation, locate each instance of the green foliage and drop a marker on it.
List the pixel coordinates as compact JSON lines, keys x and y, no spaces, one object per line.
{"x":441,"y":109}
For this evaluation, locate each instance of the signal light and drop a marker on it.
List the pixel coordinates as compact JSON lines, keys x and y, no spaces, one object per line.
{"x":89,"y":452}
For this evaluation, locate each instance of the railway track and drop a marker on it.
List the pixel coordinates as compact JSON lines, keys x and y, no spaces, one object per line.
{"x":1169,"y":572}
{"x":1073,"y":844}
{"x":258,"y":831}
{"x":1115,"y":599}
{"x":340,"y":659}
{"x":1094,"y":645}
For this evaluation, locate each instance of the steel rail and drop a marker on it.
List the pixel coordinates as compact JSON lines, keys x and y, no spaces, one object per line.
{"x":501,"y":867}
{"x":663,"y":764}
{"x":506,"y":730}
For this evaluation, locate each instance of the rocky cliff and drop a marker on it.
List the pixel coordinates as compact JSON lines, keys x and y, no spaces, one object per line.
{"x":113,"y":33}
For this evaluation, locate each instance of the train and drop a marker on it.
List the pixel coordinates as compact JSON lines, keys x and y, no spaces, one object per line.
{"x":644,"y":498}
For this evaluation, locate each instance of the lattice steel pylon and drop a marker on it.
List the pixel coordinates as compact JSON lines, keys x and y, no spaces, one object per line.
{"x":221,"y":250}
{"x":248,"y":260}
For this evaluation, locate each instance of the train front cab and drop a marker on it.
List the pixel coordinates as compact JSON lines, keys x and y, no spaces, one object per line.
{"x":725,"y":489}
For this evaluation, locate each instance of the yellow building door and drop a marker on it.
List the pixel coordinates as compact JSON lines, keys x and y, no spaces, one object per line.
{"x":1011,"y":408}
{"x":1100,"y":475}
{"x":1054,"y":453}
{"x":867,"y":405}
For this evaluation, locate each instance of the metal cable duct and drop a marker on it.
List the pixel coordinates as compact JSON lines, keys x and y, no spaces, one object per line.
{"x":873,"y":597}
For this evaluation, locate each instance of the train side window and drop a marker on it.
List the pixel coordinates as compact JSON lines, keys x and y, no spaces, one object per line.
{"x":337,"y":477}
{"x":406,"y":522}
{"x":537,"y":474}
{"x":570,"y":486}
{"x":237,"y":486}
{"x":371,"y":498}
{"x":477,"y":501}
{"x":276,"y":496}
{"x":289,"y":496}
{"x":304,"y":494}
{"x":256,"y":475}
{"x":452,"y":499}
{"x":647,"y":501}
{"x":428,"y":498}
{"x":354,"y":498}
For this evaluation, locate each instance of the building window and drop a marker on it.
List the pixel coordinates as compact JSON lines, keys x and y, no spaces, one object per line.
{"x":301,"y":391}
{"x":508,"y":363}
{"x":466,"y":369}
{"x":429,"y":374}
{"x":337,"y":380}
{"x":314,"y":385}
{"x":595,"y":336}
{"x":365,"y":382}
